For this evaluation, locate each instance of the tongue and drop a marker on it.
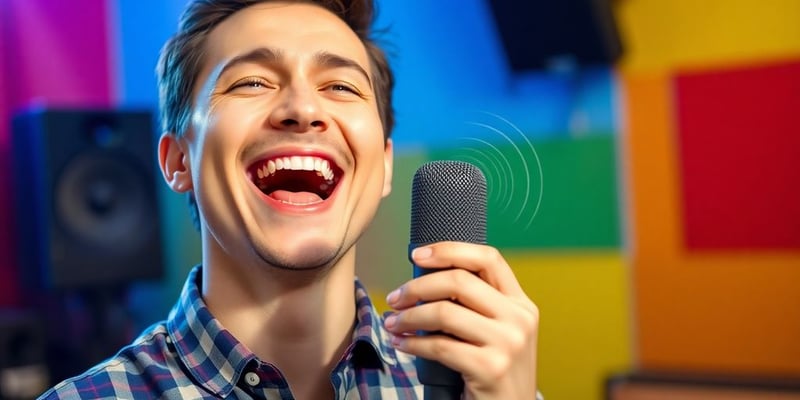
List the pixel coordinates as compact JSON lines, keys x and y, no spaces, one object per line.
{"x":296,"y":198}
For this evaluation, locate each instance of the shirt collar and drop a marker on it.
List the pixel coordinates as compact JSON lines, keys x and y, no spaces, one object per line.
{"x":216,"y":359}
{"x":369,"y":328}
{"x":212,"y":355}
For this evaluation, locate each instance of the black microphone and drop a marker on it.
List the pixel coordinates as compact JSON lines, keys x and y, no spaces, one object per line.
{"x":448,"y":203}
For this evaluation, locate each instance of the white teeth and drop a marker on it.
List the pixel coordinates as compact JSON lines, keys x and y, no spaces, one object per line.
{"x":297,"y":163}
{"x":308,"y":164}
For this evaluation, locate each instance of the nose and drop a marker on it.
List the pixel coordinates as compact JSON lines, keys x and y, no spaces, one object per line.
{"x":298,"y":111}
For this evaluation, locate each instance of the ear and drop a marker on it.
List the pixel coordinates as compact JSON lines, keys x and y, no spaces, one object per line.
{"x":388,"y":164}
{"x":174,"y":161}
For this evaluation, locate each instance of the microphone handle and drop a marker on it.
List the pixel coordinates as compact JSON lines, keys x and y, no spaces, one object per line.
{"x":441,"y":382}
{"x":432,"y":392}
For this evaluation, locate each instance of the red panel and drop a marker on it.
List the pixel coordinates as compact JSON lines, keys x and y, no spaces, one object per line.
{"x":739,"y":138}
{"x":8,"y":277}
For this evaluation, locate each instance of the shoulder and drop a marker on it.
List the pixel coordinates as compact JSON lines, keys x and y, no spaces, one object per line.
{"x":148,"y":367}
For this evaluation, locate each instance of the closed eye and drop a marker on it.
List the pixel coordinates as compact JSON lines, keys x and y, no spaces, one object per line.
{"x":249,"y":83}
{"x":343,"y":89}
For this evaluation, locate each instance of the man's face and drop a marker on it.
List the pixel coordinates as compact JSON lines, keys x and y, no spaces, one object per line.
{"x":285,"y":148}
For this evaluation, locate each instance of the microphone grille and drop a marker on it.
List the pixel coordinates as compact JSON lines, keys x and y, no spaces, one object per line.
{"x":448,"y":203}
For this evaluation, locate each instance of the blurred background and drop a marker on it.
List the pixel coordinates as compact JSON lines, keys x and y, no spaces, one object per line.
{"x":643,"y":159}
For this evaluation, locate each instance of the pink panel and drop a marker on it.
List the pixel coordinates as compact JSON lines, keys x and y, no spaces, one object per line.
{"x":51,"y":52}
{"x":60,"y":52}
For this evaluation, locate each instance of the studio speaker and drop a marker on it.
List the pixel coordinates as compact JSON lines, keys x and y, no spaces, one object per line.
{"x":545,"y":34}
{"x":86,"y":205}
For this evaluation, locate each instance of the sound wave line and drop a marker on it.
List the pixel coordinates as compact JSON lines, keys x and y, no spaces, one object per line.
{"x":507,"y":189}
{"x":527,"y":174}
{"x":500,"y":164}
{"x":535,"y":157}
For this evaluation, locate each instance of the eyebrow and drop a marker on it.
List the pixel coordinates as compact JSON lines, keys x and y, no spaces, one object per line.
{"x":330,"y":60}
{"x":261,"y":55}
{"x":267,"y":55}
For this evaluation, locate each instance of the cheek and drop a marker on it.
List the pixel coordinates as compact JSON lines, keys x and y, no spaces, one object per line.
{"x":369,"y":157}
{"x":364,"y":133}
{"x":224,"y":129}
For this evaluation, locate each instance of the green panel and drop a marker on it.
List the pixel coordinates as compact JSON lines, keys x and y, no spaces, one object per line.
{"x":579,"y":201}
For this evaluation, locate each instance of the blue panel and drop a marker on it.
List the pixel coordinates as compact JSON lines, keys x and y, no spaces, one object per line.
{"x":450,"y":65}
{"x":141,"y":28}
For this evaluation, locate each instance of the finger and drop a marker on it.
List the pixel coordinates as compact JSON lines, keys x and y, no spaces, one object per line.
{"x":483,"y":260}
{"x":458,"y":285}
{"x":446,"y":317}
{"x":480,"y":364}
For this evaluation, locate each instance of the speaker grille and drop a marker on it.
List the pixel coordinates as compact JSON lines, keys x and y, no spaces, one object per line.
{"x":448,"y":203}
{"x":102,"y":199}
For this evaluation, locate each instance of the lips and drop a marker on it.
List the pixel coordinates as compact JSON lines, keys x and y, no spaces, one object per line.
{"x":296,"y":180}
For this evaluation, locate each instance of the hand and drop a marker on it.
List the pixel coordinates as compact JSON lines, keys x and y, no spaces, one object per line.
{"x":481,"y":304}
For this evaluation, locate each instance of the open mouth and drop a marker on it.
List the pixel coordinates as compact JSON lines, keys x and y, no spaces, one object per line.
{"x":298,"y":180}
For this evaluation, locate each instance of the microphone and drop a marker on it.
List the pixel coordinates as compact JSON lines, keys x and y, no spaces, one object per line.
{"x":448,"y":203}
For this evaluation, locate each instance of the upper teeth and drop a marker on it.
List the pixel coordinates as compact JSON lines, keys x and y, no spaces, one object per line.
{"x":297,"y":163}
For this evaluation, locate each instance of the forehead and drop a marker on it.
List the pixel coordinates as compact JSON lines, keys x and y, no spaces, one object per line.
{"x":293,"y":29}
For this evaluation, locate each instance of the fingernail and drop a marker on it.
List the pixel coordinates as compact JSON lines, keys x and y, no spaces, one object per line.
{"x":392,"y":297}
{"x":421,"y":253}
{"x":397,"y":341}
{"x":390,"y":321}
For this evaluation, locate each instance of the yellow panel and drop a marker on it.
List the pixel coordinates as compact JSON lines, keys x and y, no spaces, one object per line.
{"x":660,"y":34}
{"x":585,"y":334}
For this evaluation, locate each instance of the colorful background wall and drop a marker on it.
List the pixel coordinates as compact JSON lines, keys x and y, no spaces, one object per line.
{"x":650,"y":206}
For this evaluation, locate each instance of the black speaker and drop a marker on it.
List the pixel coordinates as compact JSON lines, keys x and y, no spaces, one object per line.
{"x":86,"y":205}
{"x":544,"y":34}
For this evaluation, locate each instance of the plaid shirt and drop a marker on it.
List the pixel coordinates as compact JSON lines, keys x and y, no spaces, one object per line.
{"x":191,"y":356}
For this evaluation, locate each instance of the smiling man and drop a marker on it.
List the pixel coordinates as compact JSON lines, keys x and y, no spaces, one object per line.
{"x":277,"y":119}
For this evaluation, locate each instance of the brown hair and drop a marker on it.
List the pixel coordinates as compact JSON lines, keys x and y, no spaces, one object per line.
{"x":182,"y":57}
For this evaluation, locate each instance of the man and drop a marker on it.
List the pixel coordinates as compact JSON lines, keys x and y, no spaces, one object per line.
{"x":277,"y":118}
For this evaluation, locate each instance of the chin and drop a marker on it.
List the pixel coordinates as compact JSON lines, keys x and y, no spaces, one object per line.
{"x":318,"y":257}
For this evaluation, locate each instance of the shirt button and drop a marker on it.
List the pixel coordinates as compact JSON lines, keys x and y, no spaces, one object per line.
{"x":252,"y":378}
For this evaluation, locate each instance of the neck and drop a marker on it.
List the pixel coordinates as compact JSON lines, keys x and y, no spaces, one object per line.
{"x":299,"y":321}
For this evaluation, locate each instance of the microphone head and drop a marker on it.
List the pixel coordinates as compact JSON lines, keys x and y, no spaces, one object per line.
{"x":448,"y":203}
